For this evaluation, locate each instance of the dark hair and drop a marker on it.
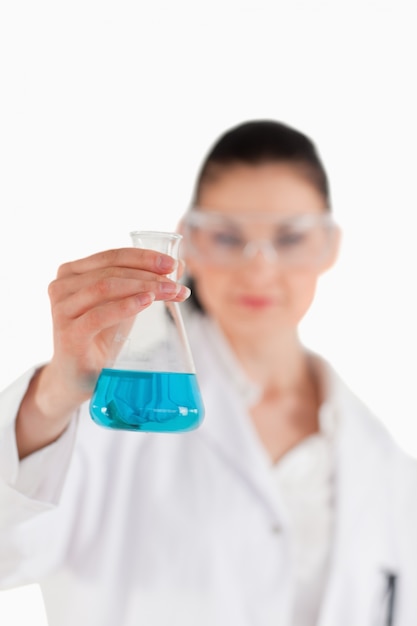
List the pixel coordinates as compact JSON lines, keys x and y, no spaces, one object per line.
{"x":254,"y":143}
{"x":264,"y":141}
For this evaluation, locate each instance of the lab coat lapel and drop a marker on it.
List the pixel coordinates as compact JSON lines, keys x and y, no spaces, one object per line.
{"x":362,"y":555}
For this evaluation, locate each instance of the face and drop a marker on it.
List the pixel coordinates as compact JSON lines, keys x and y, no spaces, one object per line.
{"x":254,"y":216}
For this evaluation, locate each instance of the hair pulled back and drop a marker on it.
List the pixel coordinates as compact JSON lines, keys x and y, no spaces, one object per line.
{"x":263,"y":141}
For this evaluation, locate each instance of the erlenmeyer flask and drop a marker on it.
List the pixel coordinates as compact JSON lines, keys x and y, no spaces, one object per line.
{"x":151,"y":384}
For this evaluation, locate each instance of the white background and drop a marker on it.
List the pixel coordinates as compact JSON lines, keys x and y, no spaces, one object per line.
{"x":107,"y":109}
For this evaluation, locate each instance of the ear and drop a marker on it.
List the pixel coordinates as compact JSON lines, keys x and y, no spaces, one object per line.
{"x":334,"y":249}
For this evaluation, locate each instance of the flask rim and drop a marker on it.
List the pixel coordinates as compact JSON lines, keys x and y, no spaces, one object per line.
{"x":155,"y":233}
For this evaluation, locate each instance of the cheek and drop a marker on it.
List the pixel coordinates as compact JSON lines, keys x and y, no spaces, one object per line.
{"x":303,"y":289}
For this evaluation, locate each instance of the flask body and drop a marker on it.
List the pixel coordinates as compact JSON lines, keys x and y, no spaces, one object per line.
{"x":151,"y":384}
{"x":147,"y":401}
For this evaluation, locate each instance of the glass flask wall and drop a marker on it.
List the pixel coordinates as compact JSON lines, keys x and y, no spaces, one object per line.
{"x":151,"y":384}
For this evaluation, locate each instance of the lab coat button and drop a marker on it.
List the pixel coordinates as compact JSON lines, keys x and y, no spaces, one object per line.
{"x":276,"y":529}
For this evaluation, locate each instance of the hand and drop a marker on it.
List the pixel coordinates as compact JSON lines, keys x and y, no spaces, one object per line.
{"x":91,"y":299}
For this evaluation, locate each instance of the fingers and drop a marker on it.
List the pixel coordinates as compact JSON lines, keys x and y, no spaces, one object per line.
{"x":110,"y":282}
{"x":96,"y":320}
{"x":134,"y":258}
{"x":71,"y":302}
{"x":99,"y":291}
{"x":114,"y":275}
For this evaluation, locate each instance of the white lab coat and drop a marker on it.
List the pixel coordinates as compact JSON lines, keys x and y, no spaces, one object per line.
{"x":135,"y":529}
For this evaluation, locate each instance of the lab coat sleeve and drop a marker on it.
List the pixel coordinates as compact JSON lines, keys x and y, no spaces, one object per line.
{"x":28,"y":488}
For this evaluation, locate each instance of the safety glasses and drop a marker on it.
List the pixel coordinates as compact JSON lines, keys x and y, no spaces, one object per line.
{"x":304,"y":240}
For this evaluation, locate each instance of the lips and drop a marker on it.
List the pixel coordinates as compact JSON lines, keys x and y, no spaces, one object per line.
{"x":256,"y":302}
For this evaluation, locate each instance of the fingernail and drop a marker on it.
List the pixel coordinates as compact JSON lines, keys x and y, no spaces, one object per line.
{"x":166,"y":263}
{"x":184,"y":292}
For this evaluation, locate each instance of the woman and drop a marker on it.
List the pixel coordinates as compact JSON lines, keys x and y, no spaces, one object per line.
{"x":290,"y":505}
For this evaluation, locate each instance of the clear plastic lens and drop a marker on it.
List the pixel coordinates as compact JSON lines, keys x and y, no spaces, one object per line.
{"x":303,"y":240}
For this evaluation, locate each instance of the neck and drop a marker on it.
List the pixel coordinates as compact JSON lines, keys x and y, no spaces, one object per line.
{"x":276,"y":363}
{"x":286,"y":411}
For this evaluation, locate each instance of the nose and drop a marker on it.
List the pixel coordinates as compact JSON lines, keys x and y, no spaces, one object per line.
{"x":259,"y":263}
{"x":261,"y":249}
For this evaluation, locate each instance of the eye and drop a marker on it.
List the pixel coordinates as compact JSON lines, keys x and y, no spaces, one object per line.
{"x":227,"y":239}
{"x":290,"y":239}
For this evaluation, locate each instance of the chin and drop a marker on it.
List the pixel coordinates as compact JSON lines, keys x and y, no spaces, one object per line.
{"x":258,"y":323}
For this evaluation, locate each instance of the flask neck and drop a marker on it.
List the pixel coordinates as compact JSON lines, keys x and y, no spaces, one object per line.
{"x":165,"y":242}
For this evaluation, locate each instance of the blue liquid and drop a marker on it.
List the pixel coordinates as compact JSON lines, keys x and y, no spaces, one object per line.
{"x":147,"y":401}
